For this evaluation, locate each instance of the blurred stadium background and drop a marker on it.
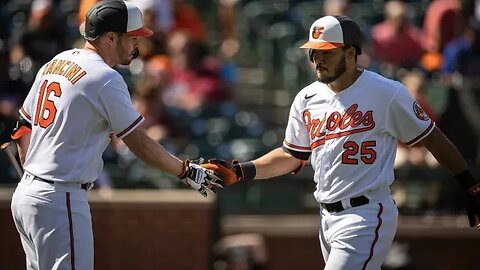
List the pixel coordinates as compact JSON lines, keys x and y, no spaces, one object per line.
{"x":217,"y":80}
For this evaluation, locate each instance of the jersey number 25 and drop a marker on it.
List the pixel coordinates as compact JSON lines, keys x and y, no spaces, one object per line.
{"x":367,"y":153}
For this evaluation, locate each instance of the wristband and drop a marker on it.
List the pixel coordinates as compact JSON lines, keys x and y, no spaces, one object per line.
{"x":466,"y":180}
{"x":248,"y":170}
{"x":183,"y":174}
{"x":475,"y":190}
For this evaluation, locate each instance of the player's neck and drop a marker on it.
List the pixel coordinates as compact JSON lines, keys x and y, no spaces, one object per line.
{"x":102,"y":53}
{"x":345,"y":80}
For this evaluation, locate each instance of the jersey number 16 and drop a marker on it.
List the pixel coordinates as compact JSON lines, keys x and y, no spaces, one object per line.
{"x":45,"y":104}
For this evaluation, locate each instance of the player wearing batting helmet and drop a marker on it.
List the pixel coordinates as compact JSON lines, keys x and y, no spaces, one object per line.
{"x":348,"y":122}
{"x":76,"y":103}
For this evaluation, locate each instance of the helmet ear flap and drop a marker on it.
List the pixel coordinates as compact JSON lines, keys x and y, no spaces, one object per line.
{"x":310,"y":55}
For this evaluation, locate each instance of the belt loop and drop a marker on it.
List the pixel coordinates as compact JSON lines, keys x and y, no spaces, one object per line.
{"x":28,"y":177}
{"x":346,"y":204}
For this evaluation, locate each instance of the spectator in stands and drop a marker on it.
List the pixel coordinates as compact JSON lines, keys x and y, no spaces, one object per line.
{"x":8,"y":90}
{"x":196,"y":71}
{"x":442,"y":23}
{"x":148,"y":99}
{"x":462,"y":70}
{"x":187,"y":19}
{"x":335,"y":7}
{"x":396,"y":41}
{"x":41,"y":39}
{"x":230,"y":45}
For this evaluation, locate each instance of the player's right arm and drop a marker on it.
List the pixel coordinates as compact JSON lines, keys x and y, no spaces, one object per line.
{"x":22,"y":132}
{"x":275,"y":163}
{"x":22,"y":145}
{"x":151,"y":152}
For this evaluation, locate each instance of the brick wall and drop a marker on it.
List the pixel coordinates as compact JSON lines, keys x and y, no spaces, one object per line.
{"x":173,"y":230}
{"x":155,"y":230}
{"x":440,"y":243}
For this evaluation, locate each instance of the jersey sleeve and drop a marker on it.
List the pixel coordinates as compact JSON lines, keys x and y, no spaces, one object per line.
{"x":406,"y":120}
{"x":296,"y":140}
{"x":28,"y":107}
{"x":118,"y":108}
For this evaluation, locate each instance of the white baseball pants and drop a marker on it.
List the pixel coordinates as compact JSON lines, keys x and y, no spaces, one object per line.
{"x":54,"y":224}
{"x":358,"y":237}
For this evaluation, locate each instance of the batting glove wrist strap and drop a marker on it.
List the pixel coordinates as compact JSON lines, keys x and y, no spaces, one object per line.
{"x":245,"y":170}
{"x":184,"y":171}
{"x":467,"y":181}
{"x":231,"y":172}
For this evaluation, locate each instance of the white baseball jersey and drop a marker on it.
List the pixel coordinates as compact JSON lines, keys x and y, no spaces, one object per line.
{"x":352,"y":135}
{"x":76,"y":102}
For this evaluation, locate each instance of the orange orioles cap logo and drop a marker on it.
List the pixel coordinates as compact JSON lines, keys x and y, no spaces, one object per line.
{"x":419,"y":112}
{"x":317,"y":31}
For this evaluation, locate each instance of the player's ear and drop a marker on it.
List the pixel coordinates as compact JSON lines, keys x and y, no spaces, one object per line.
{"x":110,"y":36}
{"x":350,"y":52}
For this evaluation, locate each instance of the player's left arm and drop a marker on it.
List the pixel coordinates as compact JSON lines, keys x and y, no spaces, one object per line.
{"x":449,"y":156}
{"x":444,"y":151}
{"x":275,"y":163}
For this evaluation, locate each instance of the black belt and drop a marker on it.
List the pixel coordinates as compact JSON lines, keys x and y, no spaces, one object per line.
{"x":338,"y":207}
{"x":85,"y":186}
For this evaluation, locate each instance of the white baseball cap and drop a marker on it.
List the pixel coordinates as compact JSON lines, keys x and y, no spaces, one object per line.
{"x":332,"y":32}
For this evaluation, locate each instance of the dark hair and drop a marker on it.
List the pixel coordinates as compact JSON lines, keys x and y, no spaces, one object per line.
{"x":357,"y":50}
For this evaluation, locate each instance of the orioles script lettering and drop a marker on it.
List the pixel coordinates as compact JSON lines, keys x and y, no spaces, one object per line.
{"x":350,"y":122}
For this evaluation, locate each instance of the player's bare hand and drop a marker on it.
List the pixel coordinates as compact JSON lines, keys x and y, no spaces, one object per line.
{"x":473,"y":206}
{"x":231,"y":173}
{"x":201,"y":179}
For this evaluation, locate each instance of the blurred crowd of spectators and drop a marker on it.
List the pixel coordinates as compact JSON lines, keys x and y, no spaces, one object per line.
{"x":176,"y":79}
{"x":186,"y":80}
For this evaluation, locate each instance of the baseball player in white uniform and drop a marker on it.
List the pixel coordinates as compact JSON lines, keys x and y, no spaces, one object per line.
{"x":348,"y":123}
{"x":75,"y":104}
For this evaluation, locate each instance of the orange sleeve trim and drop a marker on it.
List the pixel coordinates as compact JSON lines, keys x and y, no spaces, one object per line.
{"x":25,"y":114}
{"x":419,"y":137}
{"x":296,"y":147}
{"x":125,"y":131}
